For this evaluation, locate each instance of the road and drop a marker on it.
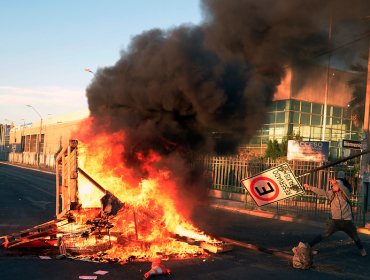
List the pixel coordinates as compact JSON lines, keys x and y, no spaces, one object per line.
{"x":28,"y":199}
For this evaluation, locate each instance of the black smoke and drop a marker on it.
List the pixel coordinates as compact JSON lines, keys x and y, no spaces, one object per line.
{"x":199,"y":89}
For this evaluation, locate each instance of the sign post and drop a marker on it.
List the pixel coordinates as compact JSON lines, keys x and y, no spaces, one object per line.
{"x":272,"y":185}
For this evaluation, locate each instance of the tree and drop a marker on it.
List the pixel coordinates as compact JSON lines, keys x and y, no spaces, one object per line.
{"x":358,"y":87}
{"x":273,"y":150}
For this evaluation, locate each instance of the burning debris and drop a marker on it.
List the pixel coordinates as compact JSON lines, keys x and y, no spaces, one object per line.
{"x":112,"y":231}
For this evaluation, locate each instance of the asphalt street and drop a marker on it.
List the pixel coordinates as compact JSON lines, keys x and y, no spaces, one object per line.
{"x":28,"y":199}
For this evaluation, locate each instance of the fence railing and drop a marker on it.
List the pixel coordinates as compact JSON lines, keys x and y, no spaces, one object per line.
{"x":228,"y":171}
{"x":47,"y":160}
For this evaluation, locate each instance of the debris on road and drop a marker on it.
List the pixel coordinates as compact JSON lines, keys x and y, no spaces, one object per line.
{"x":101,"y":272}
{"x":302,"y":256}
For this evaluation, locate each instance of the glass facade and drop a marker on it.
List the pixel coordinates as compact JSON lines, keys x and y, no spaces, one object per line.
{"x":287,"y":117}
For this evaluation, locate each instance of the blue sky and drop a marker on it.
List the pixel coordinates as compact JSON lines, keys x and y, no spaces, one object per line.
{"x":45,"y":45}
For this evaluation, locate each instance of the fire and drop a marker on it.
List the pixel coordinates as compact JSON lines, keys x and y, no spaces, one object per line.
{"x":149,"y":222}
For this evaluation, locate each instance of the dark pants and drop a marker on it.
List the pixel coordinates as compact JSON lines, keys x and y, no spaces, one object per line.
{"x":339,"y":225}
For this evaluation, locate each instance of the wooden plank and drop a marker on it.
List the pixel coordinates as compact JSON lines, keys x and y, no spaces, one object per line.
{"x":61,"y":154}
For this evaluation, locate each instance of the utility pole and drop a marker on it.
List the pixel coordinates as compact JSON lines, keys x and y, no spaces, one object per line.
{"x":327,"y":77}
{"x":365,"y":170}
{"x":38,"y":138}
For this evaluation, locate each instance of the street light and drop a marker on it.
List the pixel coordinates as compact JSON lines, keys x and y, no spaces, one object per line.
{"x":11,"y":123}
{"x":88,"y":70}
{"x":39,"y":138}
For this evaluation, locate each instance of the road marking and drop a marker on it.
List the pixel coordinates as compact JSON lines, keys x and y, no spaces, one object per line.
{"x":41,"y":204}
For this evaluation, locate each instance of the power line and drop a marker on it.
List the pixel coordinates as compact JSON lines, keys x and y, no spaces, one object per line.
{"x":363,"y":37}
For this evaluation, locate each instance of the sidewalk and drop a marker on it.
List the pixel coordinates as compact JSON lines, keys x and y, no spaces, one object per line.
{"x":30,"y":167}
{"x":238,"y":206}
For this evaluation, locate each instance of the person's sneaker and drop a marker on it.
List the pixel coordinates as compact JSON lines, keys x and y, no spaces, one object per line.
{"x":363,"y":252}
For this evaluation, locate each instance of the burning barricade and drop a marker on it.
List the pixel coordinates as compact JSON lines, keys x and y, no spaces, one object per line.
{"x":107,"y":225}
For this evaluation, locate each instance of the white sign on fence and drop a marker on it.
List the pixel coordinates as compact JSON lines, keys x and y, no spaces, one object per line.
{"x":272,"y":185}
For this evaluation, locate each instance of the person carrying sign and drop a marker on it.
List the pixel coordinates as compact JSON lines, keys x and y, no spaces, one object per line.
{"x":341,"y":211}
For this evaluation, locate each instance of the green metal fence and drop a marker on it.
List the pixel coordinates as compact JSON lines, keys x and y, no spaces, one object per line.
{"x":228,"y":171}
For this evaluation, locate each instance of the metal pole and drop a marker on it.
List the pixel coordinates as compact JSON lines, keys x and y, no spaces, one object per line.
{"x":333,"y":163}
{"x":327,"y":77}
{"x":366,"y":158}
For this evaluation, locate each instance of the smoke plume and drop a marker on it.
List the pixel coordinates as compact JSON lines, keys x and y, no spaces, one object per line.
{"x":199,"y":89}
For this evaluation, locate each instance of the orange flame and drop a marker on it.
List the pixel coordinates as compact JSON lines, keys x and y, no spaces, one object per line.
{"x":152,"y":201}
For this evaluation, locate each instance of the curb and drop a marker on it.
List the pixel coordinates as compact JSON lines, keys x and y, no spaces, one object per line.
{"x":29,"y":168}
{"x":280,"y":217}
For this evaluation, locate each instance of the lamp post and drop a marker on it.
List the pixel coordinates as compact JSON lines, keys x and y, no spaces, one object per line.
{"x":365,"y":159}
{"x":88,"y":70}
{"x":39,"y":138}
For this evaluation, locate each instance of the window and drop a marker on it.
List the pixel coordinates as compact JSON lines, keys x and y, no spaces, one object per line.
{"x":316,"y":120}
{"x":294,"y":129}
{"x":280,"y":129}
{"x":336,"y":123}
{"x":265,"y":140}
{"x":280,"y":117}
{"x":268,"y":130}
{"x":327,"y":134}
{"x":346,"y":124}
{"x":334,"y":143}
{"x":329,"y":112}
{"x":346,"y":135}
{"x":296,"y":105}
{"x":316,"y":132}
{"x":270,"y":118}
{"x":306,"y":107}
{"x":317,"y":108}
{"x":255,"y":142}
{"x":356,"y":136}
{"x":337,"y":112}
{"x":281,"y":105}
{"x":33,"y":143}
{"x":294,"y":117}
{"x":328,"y":121}
{"x":305,"y":131}
{"x":336,"y":134}
{"x":42,"y":143}
{"x":305,"y":119}
{"x":27,"y":143}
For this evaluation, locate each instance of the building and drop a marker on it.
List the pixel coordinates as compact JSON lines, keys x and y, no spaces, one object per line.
{"x":22,"y":141}
{"x":298,"y":108}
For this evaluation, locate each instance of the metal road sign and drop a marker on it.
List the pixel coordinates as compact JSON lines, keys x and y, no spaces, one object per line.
{"x":272,"y":185}
{"x":14,"y":146}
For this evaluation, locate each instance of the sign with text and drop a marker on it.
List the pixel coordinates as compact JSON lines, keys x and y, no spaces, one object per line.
{"x":317,"y":151}
{"x":272,"y":185}
{"x":351,"y":144}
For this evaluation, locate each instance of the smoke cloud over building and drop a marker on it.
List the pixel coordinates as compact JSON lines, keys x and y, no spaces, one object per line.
{"x":176,"y":89}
